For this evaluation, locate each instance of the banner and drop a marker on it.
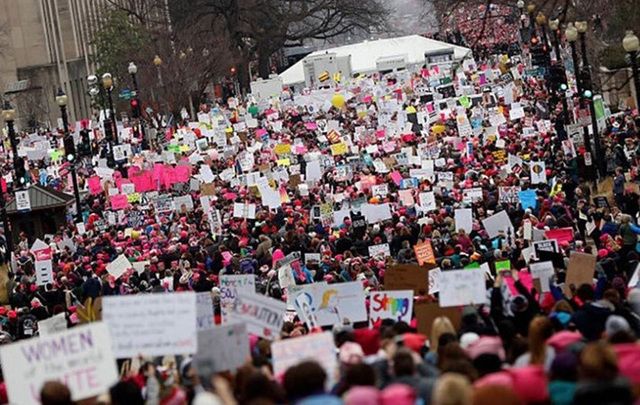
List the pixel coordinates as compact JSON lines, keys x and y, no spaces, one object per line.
{"x":151,"y":324}
{"x":80,"y":357}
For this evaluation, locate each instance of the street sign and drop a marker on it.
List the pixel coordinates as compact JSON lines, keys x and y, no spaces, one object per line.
{"x":126,"y":94}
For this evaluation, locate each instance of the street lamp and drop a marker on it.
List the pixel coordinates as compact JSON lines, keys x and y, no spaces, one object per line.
{"x":587,"y":86}
{"x":9,"y":116}
{"x":572,"y":36}
{"x":531,"y":8}
{"x":107,"y":84}
{"x":136,"y":110}
{"x":69,"y":150}
{"x":631,"y":45}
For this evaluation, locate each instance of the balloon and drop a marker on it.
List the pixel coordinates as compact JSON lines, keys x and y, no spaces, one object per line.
{"x":135,"y":234}
{"x":338,"y":100}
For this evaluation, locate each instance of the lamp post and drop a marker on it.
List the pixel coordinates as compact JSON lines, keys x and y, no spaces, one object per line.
{"x":107,"y":84}
{"x":554,"y":25}
{"x":69,"y":150}
{"x":587,"y":87}
{"x":137,"y":109}
{"x":631,"y":45}
{"x":531,"y":8}
{"x":572,"y":36}
{"x":94,"y":91}
{"x":8,"y":115}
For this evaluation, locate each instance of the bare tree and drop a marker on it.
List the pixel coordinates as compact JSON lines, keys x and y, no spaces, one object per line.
{"x":258,"y":28}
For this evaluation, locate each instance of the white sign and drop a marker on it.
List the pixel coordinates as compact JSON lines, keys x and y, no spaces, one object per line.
{"x":44,"y":272}
{"x":230,"y":287}
{"x":464,"y":219}
{"x":151,"y":324}
{"x":318,"y":346}
{"x":427,"y":201}
{"x":23,"y":201}
{"x":462,"y":287}
{"x":538,"y":172}
{"x":396,"y":305}
{"x":49,"y":326}
{"x":225,"y":347}
{"x":434,"y":280}
{"x":498,"y":223}
{"x":380,"y":251}
{"x":321,"y":304}
{"x":542,"y":271}
{"x":263,"y":316}
{"x":204,"y":311}
{"x":119,"y":266}
{"x":241,"y":210}
{"x":80,"y":357}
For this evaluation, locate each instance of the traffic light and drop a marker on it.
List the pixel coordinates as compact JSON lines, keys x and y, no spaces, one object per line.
{"x":69,"y":149}
{"x":136,"y":111}
{"x":85,"y":142}
{"x":21,"y":171}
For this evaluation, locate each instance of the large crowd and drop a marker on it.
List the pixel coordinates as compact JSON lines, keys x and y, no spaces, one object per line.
{"x":321,"y":176}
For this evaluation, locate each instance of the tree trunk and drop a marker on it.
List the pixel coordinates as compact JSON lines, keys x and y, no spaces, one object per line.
{"x":264,"y":65}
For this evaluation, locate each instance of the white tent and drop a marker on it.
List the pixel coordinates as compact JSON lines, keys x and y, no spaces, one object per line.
{"x":365,"y":54}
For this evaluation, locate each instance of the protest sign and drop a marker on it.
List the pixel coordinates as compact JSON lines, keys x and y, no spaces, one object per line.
{"x":151,"y":324}
{"x":407,"y":277}
{"x":327,"y":304}
{"x":560,"y":234}
{"x":318,"y":347}
{"x":464,"y":219}
{"x":135,"y":219}
{"x":580,"y":270}
{"x":497,"y":224}
{"x":462,"y":287}
{"x":230,"y":287}
{"x":424,"y":253}
{"x":44,"y":271}
{"x":427,"y":312}
{"x":80,"y":357}
{"x":119,"y":266}
{"x":509,"y":194}
{"x":222,"y":348}
{"x":527,"y":198}
{"x":434,"y":280}
{"x":472,"y":195}
{"x":55,"y":324}
{"x":427,"y":201}
{"x":263,"y":316}
{"x":542,"y":271}
{"x":204,"y":310}
{"x":538,"y":173}
{"x":549,"y":245}
{"x":381,"y":251}
{"x":396,"y":305}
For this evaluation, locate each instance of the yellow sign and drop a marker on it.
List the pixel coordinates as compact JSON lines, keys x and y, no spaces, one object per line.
{"x":284,"y":162}
{"x":282,"y":149}
{"x":133,"y":197}
{"x":339,"y":149}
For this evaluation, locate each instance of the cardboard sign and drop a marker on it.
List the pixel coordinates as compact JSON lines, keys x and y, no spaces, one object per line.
{"x":230,"y":287}
{"x":424,"y":253}
{"x":263,"y":316}
{"x":426,"y":312}
{"x":462,"y":287}
{"x":396,"y":305}
{"x":222,"y":348}
{"x":80,"y":357}
{"x":407,"y":277}
{"x":464,"y":219}
{"x":151,"y":324}
{"x":580,"y":270}
{"x":318,"y":346}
